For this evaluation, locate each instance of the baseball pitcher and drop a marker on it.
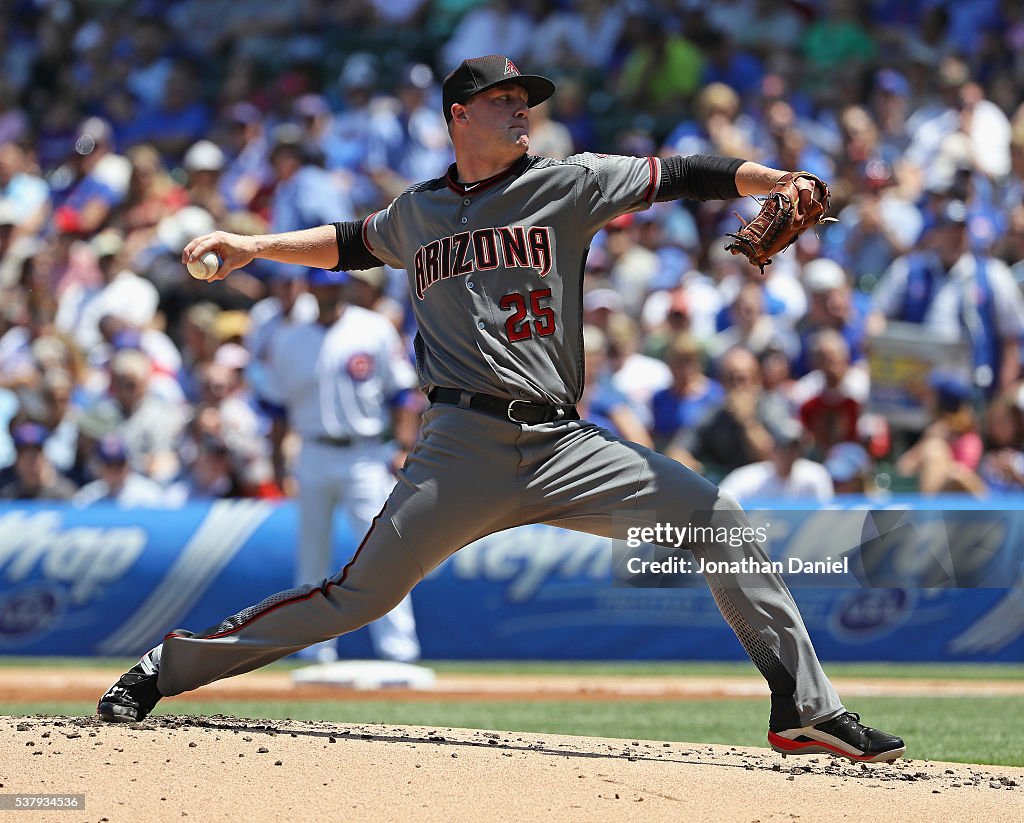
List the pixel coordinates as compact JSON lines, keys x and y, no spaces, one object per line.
{"x":495,"y":252}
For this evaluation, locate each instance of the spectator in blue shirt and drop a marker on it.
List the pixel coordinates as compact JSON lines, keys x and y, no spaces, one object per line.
{"x":409,"y":142}
{"x":248,"y":171}
{"x":180,"y":119}
{"x":691,"y":396}
{"x":306,"y":194}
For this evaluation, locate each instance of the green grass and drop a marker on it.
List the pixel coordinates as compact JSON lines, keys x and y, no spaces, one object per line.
{"x":901,"y":671}
{"x":980,"y":730}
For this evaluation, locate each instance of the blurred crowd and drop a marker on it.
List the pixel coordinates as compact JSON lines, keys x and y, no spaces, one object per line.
{"x":128,"y":128}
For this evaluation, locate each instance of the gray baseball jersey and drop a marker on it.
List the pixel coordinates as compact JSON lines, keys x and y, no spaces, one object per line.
{"x":496,"y":269}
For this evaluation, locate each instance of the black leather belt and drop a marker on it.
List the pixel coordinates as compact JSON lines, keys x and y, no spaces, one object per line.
{"x":518,"y":411}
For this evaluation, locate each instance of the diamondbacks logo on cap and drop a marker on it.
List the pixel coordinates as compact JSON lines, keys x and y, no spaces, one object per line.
{"x":510,"y":68}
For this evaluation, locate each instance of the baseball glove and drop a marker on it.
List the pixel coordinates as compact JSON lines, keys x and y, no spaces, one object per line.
{"x":797,"y":201}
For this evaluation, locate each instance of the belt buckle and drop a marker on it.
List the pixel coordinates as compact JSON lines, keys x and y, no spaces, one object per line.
{"x":508,"y":412}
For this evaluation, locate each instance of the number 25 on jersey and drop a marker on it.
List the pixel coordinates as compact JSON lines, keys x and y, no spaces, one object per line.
{"x":542,"y":317}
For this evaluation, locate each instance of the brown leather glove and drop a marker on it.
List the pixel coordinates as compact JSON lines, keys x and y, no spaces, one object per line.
{"x":796,"y":202}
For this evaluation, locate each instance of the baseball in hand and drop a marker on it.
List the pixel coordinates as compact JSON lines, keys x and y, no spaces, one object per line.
{"x":205,"y":267}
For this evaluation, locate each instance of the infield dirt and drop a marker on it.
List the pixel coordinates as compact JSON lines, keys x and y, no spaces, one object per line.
{"x":225,"y":769}
{"x":182,"y":767}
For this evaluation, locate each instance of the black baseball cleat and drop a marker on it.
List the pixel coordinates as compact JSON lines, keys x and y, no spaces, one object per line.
{"x":135,"y":694}
{"x":844,"y":735}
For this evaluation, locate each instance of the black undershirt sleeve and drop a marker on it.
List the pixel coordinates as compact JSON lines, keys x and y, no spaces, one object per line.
{"x":352,"y":251}
{"x":698,"y":177}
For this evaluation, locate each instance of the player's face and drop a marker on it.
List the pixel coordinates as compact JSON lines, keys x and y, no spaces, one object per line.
{"x":328,"y":298}
{"x":501,"y":115}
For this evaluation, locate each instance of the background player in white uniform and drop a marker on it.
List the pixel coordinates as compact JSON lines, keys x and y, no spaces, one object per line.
{"x":287,"y":305}
{"x":340,"y":380}
{"x":495,"y":252}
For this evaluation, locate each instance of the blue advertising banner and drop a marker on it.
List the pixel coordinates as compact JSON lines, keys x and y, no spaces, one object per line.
{"x":110,"y":581}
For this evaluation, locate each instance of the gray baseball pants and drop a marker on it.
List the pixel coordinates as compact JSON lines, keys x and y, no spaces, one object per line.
{"x":357,"y":479}
{"x":471,"y":475}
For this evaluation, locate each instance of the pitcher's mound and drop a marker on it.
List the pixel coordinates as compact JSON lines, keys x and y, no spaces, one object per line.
{"x":228,"y":769}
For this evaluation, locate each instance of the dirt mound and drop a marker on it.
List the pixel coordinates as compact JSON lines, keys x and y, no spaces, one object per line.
{"x":221,"y":769}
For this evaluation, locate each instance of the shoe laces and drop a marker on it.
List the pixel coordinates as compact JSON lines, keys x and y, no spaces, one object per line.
{"x":852,"y":717}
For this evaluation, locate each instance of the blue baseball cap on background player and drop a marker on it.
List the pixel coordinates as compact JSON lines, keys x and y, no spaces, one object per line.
{"x":481,"y":73}
{"x":285,"y":271}
{"x":324,"y":277}
{"x":29,"y":435}
{"x":112,"y":450}
{"x":952,"y":390}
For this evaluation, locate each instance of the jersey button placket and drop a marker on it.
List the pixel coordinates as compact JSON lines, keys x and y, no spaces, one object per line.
{"x":470,"y":283}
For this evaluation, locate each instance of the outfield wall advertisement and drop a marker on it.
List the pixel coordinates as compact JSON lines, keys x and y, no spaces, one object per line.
{"x":931,"y":585}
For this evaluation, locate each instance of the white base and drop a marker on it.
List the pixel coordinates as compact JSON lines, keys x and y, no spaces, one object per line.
{"x":366,"y":675}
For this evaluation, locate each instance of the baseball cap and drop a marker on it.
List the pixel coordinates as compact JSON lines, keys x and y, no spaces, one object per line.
{"x":324,"y":277}
{"x":175,"y":230}
{"x":823,"y":275}
{"x":376,"y":277}
{"x":311,"y":105}
{"x":787,"y":431}
{"x":289,"y":136}
{"x":602,"y":299}
{"x":478,"y":74}
{"x":204,"y":155}
{"x":111,"y":449}
{"x":232,"y":323}
{"x":107,"y":243}
{"x":951,"y":389}
{"x":285,"y":271}
{"x":621,"y":223}
{"x":244,"y":113}
{"x":892,"y":82}
{"x":29,"y":434}
{"x":232,"y":355}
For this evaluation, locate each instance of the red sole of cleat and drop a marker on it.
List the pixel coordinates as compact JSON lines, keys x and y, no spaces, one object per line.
{"x":784,"y":745}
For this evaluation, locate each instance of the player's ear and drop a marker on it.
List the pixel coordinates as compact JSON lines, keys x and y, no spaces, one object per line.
{"x":459,"y":113}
